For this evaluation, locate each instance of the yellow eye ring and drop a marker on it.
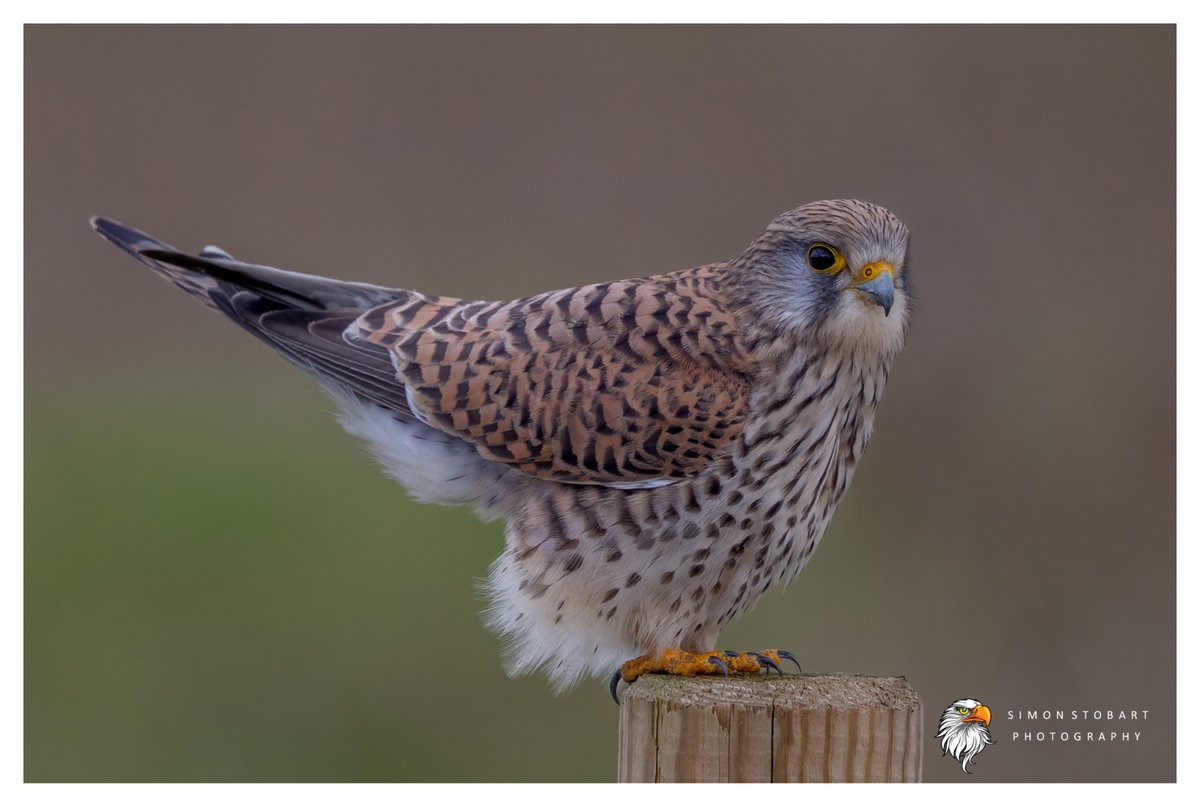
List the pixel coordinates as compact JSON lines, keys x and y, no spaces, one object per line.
{"x":962,"y":710}
{"x":825,"y":259}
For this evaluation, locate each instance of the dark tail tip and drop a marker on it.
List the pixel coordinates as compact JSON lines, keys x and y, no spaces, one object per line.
{"x":132,"y":241}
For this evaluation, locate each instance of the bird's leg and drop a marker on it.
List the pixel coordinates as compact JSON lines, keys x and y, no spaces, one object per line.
{"x":681,"y":662}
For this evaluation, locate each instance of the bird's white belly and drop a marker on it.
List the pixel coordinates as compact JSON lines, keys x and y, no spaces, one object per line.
{"x":594,"y":576}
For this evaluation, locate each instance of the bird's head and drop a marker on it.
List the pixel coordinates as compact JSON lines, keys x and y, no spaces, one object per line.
{"x":834,"y":271}
{"x":966,"y":712}
{"x":963,"y":730}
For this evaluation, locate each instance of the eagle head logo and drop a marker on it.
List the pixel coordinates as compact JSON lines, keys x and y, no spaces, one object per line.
{"x":963,"y":730}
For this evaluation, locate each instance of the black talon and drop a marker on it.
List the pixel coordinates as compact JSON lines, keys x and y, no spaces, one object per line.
{"x":785,"y":654}
{"x":767,"y":662}
{"x":731,"y":653}
{"x":612,"y":686}
{"x":719,"y":663}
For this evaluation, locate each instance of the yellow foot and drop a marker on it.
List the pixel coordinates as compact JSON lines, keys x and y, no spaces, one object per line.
{"x":681,"y":662}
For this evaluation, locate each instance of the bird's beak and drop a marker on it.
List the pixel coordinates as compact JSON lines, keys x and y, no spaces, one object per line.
{"x":876,"y":283}
{"x":980,"y":714}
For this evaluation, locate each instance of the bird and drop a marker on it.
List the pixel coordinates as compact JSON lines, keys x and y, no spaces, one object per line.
{"x":663,"y":449}
{"x":963,"y":730}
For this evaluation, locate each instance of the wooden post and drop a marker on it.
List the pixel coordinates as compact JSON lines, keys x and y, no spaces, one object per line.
{"x":770,"y":728}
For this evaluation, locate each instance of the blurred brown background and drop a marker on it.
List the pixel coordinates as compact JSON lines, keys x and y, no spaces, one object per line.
{"x":220,"y":585}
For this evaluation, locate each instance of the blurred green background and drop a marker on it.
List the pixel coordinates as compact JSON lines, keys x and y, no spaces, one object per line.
{"x":219,"y":584}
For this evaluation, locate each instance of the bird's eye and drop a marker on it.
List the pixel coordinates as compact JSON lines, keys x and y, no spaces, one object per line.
{"x":962,"y":710}
{"x":824,"y":258}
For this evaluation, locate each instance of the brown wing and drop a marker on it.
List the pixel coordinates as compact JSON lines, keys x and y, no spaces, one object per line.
{"x":627,"y":383}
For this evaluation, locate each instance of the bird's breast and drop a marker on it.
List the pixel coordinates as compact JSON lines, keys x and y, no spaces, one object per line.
{"x":811,"y":420}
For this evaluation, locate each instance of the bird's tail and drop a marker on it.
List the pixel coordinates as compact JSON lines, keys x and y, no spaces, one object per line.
{"x":304,"y":317}
{"x":214,"y":269}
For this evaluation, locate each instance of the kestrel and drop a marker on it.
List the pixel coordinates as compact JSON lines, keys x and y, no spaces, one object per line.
{"x":663,"y":449}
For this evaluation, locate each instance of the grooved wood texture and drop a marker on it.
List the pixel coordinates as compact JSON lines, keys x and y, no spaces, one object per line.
{"x":792,"y":728}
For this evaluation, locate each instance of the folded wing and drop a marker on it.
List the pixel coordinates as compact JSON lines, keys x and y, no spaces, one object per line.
{"x":634,"y":383}
{"x":627,"y":384}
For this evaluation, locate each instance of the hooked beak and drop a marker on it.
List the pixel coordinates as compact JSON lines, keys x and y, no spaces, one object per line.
{"x":877,"y":285}
{"x":980,"y":714}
